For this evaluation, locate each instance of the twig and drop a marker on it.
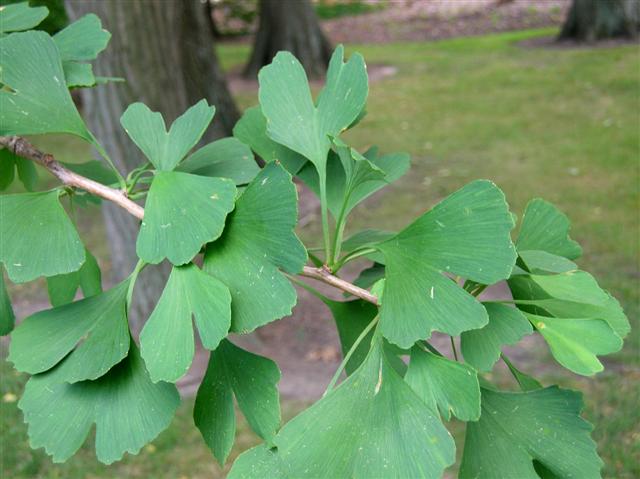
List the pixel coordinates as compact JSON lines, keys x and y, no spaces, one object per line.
{"x":321,"y":274}
{"x":23,"y":148}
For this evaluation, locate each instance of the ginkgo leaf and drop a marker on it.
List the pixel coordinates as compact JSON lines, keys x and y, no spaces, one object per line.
{"x":81,"y":41}
{"x":188,"y":292}
{"x":368,"y":277}
{"x":292,"y":118}
{"x":447,"y":387}
{"x":35,"y":99}
{"x":149,"y":132}
{"x":62,"y":288}
{"x":576,"y":343}
{"x":516,"y":429}
{"x":92,"y":333}
{"x":481,"y":347}
{"x":7,"y":168}
{"x":351,"y":318}
{"x":251,"y":129}
{"x":353,"y":177}
{"x":545,"y":227}
{"x":7,"y":317}
{"x":372,"y":425}
{"x":526,"y":382}
{"x":541,"y":262}
{"x":32,"y":226}
{"x":467,"y":234}
{"x":252,"y":379}
{"x":366,"y":237}
{"x":182,"y":213}
{"x":259,"y":461}
{"x":20,"y":16}
{"x":95,"y":170}
{"x":127,"y":408}
{"x":580,"y":297}
{"x":226,"y":158}
{"x":258,"y":240}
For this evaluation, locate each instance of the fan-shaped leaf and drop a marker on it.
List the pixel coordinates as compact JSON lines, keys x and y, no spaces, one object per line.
{"x":189,"y":292}
{"x":251,"y":129}
{"x":576,"y":343}
{"x":292,"y":118}
{"x":182,"y":213}
{"x":32,"y":227}
{"x":37,"y":100}
{"x":353,"y":177}
{"x":259,"y":239}
{"x":481,"y":347}
{"x":447,"y":387}
{"x":126,"y":407}
{"x":466,"y":234}
{"x":93,"y":333}
{"x":226,"y":158}
{"x":252,"y":380}
{"x":372,"y":425}
{"x":545,"y":227}
{"x":20,"y":16}
{"x":516,"y":429}
{"x":62,"y":288}
{"x":149,"y":132}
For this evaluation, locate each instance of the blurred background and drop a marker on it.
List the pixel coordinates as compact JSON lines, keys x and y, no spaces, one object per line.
{"x":540,"y":96}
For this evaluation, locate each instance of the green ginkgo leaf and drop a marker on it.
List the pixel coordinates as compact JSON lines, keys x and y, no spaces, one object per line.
{"x":226,"y":158}
{"x":467,"y":234}
{"x":62,"y":288}
{"x":576,"y":343}
{"x":20,"y":16}
{"x":372,"y":425}
{"x":546,"y":228}
{"x":351,"y":318}
{"x":259,"y":461}
{"x":258,"y":240}
{"x":7,"y":317}
{"x":481,"y":347}
{"x":126,"y":407}
{"x":293,"y":120}
{"x":92,"y":333}
{"x":188,"y":292}
{"x":252,"y":379}
{"x":572,"y":295}
{"x":165,"y":149}
{"x":81,"y":41}
{"x":35,"y":99}
{"x":251,"y":129}
{"x":38,"y":238}
{"x":353,"y":177}
{"x":182,"y":213}
{"x":447,"y":387}
{"x":516,"y":429}
{"x":541,"y":262}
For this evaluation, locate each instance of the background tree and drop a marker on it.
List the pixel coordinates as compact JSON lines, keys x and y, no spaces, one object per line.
{"x":591,"y":20}
{"x":290,"y":25}
{"x":165,"y":51}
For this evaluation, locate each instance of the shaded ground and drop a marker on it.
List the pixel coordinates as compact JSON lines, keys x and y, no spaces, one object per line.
{"x":419,"y":20}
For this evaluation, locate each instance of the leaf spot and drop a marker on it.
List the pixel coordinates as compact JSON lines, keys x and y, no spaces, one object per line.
{"x":540,"y":325}
{"x":431,"y":292}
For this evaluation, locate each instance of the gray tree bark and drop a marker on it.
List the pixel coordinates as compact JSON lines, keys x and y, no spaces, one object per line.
{"x":592,"y":20}
{"x":290,"y":25}
{"x":165,"y":52}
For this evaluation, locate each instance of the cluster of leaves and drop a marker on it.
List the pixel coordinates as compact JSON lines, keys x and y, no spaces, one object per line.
{"x":385,"y":419}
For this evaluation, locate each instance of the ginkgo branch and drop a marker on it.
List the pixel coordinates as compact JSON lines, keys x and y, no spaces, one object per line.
{"x":23,"y":148}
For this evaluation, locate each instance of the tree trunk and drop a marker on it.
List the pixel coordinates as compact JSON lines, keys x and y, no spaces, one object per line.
{"x":165,"y":52}
{"x":592,"y":20}
{"x":290,"y":25}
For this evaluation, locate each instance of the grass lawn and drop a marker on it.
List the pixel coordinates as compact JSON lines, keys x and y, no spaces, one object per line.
{"x":560,"y":124}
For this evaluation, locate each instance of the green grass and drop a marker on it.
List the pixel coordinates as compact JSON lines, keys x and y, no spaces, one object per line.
{"x":558,"y":124}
